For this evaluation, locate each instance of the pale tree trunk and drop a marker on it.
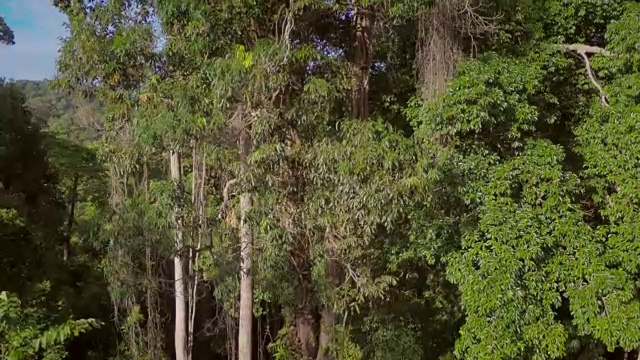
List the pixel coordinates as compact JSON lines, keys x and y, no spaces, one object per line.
{"x":180,"y":333}
{"x":246,"y":283}
{"x":245,"y":330}
{"x":197,"y":191}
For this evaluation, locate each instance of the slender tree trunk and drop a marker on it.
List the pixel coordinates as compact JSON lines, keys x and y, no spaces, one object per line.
{"x":73,"y":198}
{"x":150,"y":307}
{"x":180,"y":334}
{"x":152,"y":326}
{"x":200,"y":226}
{"x":246,"y":283}
{"x":245,"y":331}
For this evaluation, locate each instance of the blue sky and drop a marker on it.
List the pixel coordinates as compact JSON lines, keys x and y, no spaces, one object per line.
{"x":37,"y":26}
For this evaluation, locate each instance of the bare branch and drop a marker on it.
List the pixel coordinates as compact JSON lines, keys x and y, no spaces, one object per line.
{"x":583,"y":50}
{"x":603,"y":95}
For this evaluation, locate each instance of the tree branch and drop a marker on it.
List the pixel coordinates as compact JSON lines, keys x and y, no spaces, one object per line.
{"x":587,"y":49}
{"x":583,"y":50}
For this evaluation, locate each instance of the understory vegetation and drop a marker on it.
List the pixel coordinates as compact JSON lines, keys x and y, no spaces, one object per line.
{"x":327,"y":180}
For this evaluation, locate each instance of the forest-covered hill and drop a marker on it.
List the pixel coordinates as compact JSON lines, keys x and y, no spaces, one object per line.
{"x":327,"y":180}
{"x":44,"y":102}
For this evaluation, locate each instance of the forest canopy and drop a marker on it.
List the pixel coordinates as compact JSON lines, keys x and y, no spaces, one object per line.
{"x":327,"y":180}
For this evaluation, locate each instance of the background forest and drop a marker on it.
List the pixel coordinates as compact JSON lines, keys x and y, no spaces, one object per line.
{"x":316,"y":179}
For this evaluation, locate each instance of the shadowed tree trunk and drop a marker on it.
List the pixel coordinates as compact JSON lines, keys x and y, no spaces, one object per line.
{"x":328,"y":316}
{"x":361,"y":63}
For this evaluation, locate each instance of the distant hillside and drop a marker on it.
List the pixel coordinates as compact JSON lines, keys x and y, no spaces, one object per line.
{"x":45,"y":102}
{"x":60,"y":112}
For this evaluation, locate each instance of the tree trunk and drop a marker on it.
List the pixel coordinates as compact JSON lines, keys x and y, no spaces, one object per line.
{"x":199,"y":224}
{"x":153,"y":326}
{"x":73,"y":198}
{"x":245,"y":328}
{"x":306,"y":331}
{"x":362,"y":59}
{"x":328,"y":315}
{"x":438,"y":48}
{"x":180,"y":334}
{"x":327,"y":328}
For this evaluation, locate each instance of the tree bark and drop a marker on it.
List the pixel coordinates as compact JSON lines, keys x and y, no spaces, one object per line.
{"x":245,"y":328}
{"x":328,"y":316}
{"x":362,"y":59}
{"x":180,"y":333}
{"x":197,"y":198}
{"x":327,"y":328}
{"x":306,"y":331}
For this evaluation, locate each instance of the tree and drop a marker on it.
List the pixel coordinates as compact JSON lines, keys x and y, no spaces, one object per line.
{"x":108,"y":37}
{"x":24,"y":335}
{"x":511,"y":125}
{"x":6,"y":34}
{"x":354,"y":179}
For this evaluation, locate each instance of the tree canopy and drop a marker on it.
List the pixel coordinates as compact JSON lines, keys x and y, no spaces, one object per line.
{"x":310,"y":179}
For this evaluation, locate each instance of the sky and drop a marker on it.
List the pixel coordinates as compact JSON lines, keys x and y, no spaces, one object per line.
{"x":38,"y":27}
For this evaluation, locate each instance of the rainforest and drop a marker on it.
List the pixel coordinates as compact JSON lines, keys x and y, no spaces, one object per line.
{"x":325,"y":180}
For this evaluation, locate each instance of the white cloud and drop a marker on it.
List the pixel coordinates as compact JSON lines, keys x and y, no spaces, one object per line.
{"x":38,"y":27}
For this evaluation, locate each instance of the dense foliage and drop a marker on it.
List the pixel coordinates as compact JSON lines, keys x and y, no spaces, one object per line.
{"x":310,"y":179}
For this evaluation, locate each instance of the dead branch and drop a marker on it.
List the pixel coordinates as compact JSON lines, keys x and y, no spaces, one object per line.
{"x":471,"y":20}
{"x":586,"y":49}
{"x":583,"y":50}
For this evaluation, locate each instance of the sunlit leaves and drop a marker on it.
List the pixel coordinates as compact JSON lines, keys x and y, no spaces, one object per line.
{"x":506,"y":271}
{"x":27,"y":332}
{"x":535,"y":267}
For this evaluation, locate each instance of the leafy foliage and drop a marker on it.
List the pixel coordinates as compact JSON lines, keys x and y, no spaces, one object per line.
{"x":6,"y":34}
{"x":494,"y":219}
{"x":26,"y":333}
